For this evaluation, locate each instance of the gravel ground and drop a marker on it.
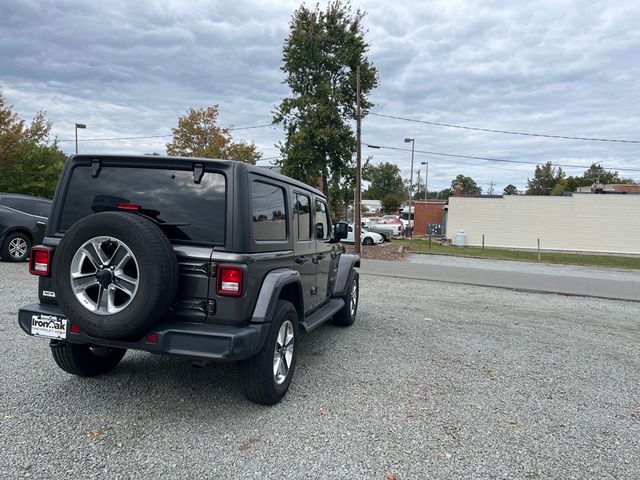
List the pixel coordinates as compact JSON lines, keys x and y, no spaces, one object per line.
{"x":433,"y":381}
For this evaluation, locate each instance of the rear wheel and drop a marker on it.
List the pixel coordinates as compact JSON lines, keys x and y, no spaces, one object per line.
{"x":266,"y":377}
{"x":16,"y":247}
{"x":85,"y":360}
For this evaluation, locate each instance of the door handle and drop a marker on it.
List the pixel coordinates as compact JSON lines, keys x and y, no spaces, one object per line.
{"x":301,"y":260}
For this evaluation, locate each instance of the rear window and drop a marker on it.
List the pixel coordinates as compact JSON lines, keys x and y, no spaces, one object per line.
{"x":191,"y":212}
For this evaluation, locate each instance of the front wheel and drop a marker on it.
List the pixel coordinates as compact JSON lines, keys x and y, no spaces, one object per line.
{"x":266,"y":377}
{"x":367,"y":241}
{"x":347,"y":315}
{"x":85,"y":360}
{"x":16,"y":247}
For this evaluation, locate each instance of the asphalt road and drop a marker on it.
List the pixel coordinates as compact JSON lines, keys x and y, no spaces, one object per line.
{"x":525,"y":276}
{"x":434,"y":380}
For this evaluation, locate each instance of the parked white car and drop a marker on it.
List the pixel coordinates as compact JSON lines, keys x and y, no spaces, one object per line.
{"x":367,"y":237}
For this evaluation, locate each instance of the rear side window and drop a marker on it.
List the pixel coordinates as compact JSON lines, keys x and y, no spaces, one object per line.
{"x":185,"y":210}
{"x":269,"y":221}
{"x":323,"y":225}
{"x":43,"y":209}
{"x":302,"y":217}
{"x":25,"y":205}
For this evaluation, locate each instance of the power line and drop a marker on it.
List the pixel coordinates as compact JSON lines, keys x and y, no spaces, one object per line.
{"x":508,"y":132}
{"x":489,"y":159}
{"x":100,"y":139}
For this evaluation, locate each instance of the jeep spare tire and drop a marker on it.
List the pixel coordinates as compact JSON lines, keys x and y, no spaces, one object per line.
{"x":115,"y":274}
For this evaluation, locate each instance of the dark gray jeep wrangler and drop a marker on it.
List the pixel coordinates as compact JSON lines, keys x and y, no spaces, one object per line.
{"x":208,"y":259}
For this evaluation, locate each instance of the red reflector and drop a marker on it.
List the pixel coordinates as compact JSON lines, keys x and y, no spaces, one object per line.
{"x":229,"y":281}
{"x":40,"y":261}
{"x":75,"y":328}
{"x":128,"y":206}
{"x":152,"y":338}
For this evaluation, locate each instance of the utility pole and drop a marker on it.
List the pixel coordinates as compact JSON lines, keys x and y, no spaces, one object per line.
{"x":357,"y":223}
{"x":491,"y":188}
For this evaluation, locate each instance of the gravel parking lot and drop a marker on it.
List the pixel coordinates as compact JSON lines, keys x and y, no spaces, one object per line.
{"x":433,"y":381}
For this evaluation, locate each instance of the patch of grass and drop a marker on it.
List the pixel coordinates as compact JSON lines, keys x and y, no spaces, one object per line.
{"x":421,"y":245}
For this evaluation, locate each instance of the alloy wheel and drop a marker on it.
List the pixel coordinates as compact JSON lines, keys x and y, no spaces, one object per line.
{"x":18,"y":248}
{"x":283,"y":353}
{"x":104,"y":275}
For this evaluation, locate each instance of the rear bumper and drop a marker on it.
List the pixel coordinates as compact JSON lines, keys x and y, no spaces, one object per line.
{"x":213,"y":342}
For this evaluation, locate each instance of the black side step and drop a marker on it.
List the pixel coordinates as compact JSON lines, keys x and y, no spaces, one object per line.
{"x":321,"y":315}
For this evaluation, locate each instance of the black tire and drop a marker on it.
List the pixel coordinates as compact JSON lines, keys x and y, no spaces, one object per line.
{"x":7,"y":250}
{"x":85,"y":360}
{"x":384,"y":238}
{"x":367,"y":241}
{"x":257,"y":373}
{"x":156,"y":268}
{"x":347,"y":315}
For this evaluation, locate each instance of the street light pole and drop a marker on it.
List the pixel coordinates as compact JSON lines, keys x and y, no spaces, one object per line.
{"x":78,"y":125}
{"x":426,"y":180}
{"x":413,"y":144}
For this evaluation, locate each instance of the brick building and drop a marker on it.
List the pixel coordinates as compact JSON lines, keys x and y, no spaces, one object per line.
{"x":425,"y":213}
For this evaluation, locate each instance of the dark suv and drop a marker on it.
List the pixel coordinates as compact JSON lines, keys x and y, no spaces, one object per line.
{"x":22,"y":222}
{"x":209,"y":259}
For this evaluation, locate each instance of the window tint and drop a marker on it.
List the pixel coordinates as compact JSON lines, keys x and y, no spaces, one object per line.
{"x":43,"y":209}
{"x":323,"y":226}
{"x":193,"y":212}
{"x":302,"y":217}
{"x":25,"y":205}
{"x":268,"y":211}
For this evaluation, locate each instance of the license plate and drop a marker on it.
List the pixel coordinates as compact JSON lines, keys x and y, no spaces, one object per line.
{"x":49,"y":326}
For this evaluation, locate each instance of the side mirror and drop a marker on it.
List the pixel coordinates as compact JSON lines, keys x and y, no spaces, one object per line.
{"x":340,"y":230}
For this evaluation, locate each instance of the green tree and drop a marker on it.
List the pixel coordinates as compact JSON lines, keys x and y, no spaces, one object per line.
{"x":198,"y":135}
{"x":545,"y":178}
{"x":468,"y":184}
{"x":30,"y":162}
{"x":320,"y":58}
{"x":385,"y":178}
{"x":391,"y":203}
{"x":510,"y":190}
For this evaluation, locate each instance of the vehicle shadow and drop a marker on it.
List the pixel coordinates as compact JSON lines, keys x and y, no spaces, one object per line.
{"x":172,"y":389}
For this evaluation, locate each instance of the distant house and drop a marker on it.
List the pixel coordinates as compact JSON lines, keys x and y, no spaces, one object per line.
{"x":372,"y":206}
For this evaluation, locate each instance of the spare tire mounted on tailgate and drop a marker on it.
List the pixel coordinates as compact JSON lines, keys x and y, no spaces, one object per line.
{"x":115,"y":274}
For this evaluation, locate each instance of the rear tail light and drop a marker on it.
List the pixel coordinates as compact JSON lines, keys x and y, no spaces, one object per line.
{"x":129,"y":207}
{"x":75,"y":328}
{"x":229,"y":281}
{"x":40,"y":261}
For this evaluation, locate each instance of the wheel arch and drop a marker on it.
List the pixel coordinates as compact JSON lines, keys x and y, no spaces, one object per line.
{"x":345,"y":266}
{"x":23,"y":230}
{"x":280,"y":284}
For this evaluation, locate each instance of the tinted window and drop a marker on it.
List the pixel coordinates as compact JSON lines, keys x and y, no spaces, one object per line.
{"x":322,"y":221}
{"x":25,"y":205}
{"x":268,"y":211}
{"x":43,"y":209}
{"x":302,"y":217}
{"x":194,"y":212}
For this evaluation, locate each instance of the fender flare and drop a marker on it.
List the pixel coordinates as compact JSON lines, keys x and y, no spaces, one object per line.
{"x":346,"y":265}
{"x":270,"y":290}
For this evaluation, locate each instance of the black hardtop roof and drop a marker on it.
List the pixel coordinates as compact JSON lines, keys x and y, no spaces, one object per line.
{"x":228,"y":164}
{"x":22,"y":195}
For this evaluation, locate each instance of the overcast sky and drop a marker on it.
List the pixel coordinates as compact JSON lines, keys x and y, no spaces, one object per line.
{"x":132,"y":68}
